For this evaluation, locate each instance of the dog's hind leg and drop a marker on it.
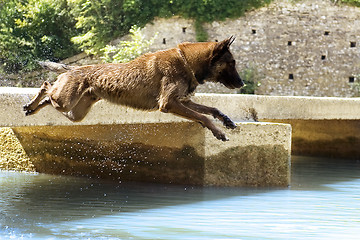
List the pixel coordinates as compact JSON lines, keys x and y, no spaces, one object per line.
{"x":31,"y":106}
{"x":216,"y":113}
{"x":79,"y":111}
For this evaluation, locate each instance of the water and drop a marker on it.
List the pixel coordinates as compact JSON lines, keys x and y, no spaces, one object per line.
{"x":322,"y":203}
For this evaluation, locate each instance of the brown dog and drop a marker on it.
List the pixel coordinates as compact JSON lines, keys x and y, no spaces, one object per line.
{"x":163,"y":80}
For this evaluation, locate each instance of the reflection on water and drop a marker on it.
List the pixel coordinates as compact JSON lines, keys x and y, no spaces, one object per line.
{"x":322,"y":203}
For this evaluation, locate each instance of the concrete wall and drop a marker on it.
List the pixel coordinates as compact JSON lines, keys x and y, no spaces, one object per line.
{"x":115,"y":141}
{"x":183,"y":153}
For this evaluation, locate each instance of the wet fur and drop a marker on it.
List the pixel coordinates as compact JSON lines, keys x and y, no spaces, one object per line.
{"x":164,"y":80}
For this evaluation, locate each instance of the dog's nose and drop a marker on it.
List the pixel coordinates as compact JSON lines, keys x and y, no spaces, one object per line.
{"x":239,"y":83}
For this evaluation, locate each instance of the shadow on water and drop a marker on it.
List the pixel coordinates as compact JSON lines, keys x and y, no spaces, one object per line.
{"x":320,"y":173}
{"x":32,"y":202}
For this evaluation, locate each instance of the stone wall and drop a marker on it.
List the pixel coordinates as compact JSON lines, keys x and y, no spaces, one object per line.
{"x":308,"y":47}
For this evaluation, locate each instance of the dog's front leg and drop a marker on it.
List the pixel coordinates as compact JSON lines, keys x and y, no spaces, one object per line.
{"x":216,"y":113}
{"x":31,"y":106}
{"x":176,"y":107}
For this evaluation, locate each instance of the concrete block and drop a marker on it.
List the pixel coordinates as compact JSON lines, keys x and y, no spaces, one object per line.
{"x":258,"y":154}
{"x":322,"y":126}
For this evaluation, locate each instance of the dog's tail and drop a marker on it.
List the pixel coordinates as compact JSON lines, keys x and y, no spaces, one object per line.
{"x":55,"y":67}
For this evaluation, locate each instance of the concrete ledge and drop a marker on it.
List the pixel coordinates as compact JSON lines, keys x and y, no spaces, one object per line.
{"x":238,"y":107}
{"x":124,"y":144}
{"x":184,"y":153}
{"x":322,"y":126}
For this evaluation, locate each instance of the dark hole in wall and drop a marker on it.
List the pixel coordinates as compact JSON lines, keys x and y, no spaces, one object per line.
{"x":323,"y":57}
{"x":164,"y":40}
{"x":326,"y":33}
{"x":184,"y":29}
{"x":291,"y":76}
{"x":351,"y":79}
{"x":352,"y":44}
{"x":253,"y":31}
{"x":289,"y":43}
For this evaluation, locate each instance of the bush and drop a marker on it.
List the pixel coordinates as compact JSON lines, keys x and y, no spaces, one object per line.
{"x":252,"y":79}
{"x":126,"y":51}
{"x":351,"y":2}
{"x":32,"y":30}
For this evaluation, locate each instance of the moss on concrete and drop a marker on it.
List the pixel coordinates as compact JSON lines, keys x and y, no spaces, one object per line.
{"x":260,"y":165}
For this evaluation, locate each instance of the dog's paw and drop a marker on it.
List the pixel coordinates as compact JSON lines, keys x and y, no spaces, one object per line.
{"x":26,"y":107}
{"x":220,"y":135}
{"x":29,"y":112}
{"x":223,"y":138}
{"x":228,"y":123}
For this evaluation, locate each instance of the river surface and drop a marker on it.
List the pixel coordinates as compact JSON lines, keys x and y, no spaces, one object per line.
{"x":323,"y":202}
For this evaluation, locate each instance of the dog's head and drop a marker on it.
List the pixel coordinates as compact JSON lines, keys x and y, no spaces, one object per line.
{"x":222,"y":65}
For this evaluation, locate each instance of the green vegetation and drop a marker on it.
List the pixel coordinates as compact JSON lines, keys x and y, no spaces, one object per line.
{"x":201,"y":34}
{"x":33,"y":30}
{"x":252,"y":79}
{"x":126,"y":51}
{"x":351,"y":2}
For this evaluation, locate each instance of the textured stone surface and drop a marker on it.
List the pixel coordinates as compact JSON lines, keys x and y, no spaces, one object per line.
{"x":12,"y":153}
{"x":258,"y":154}
{"x":309,"y":39}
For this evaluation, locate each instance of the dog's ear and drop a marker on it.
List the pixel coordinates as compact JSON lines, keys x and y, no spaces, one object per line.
{"x":221,"y":48}
{"x":229,"y":41}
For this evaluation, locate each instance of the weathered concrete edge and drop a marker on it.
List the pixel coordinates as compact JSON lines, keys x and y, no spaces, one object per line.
{"x":238,"y":107}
